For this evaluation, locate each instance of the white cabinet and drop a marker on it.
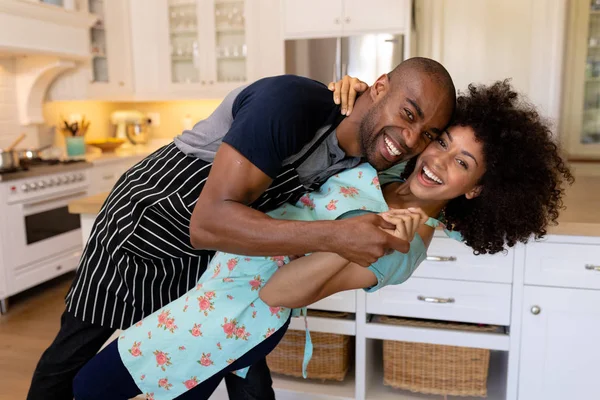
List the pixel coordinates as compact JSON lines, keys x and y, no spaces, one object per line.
{"x":312,"y":18}
{"x":105,"y":174}
{"x":376,"y":15}
{"x":563,"y":264}
{"x":559,"y":344}
{"x":203,"y":48}
{"x":110,"y":45}
{"x":108,"y":75}
{"x":333,"y":18}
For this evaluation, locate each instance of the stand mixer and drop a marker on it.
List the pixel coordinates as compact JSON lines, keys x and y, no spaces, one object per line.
{"x":131,"y":126}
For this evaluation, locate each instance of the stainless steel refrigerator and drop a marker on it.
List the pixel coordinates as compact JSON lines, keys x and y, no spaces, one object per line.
{"x":366,"y":57}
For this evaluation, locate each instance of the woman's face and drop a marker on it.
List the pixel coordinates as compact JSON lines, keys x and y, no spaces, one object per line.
{"x":449,"y":167}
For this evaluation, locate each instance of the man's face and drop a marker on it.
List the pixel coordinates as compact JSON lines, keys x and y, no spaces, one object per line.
{"x":403,"y":119}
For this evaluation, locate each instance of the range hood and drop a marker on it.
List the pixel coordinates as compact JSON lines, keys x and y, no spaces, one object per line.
{"x":45,"y":40}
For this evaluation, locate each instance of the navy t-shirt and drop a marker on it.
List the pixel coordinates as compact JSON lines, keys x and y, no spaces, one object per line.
{"x":274,"y":118}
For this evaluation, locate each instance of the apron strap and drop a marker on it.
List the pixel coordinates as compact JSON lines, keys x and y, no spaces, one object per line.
{"x":308,"y":346}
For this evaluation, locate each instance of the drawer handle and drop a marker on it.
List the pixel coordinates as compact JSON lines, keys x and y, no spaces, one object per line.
{"x":592,"y":267}
{"x":437,"y":300}
{"x":441,"y":258}
{"x":58,"y":267}
{"x":106,"y":177}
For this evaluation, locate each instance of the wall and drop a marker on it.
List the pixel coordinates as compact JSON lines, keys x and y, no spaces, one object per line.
{"x":171,"y":114}
{"x":484,"y":41}
{"x":9,"y":123}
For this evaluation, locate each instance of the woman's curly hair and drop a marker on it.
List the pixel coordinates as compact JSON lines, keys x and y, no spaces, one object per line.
{"x":523,"y":185}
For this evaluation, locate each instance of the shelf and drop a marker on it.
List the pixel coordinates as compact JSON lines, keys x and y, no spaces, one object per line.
{"x":496,"y":386}
{"x":192,"y":32}
{"x":182,"y":58}
{"x":492,"y":341}
{"x":230,"y":30}
{"x":231,"y":58}
{"x":343,"y":326}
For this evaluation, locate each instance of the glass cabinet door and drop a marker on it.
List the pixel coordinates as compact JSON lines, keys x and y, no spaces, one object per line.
{"x":230,"y":41}
{"x":590,"y":128}
{"x":183,"y":41}
{"x":98,"y":43}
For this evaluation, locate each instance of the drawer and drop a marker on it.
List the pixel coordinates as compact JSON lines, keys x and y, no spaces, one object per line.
{"x":342,"y":302}
{"x":450,"y":259}
{"x":25,"y":277}
{"x":486,"y":303}
{"x":563,"y":265}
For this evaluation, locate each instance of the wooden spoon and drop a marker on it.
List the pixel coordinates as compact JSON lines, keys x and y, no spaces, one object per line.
{"x":16,"y":142}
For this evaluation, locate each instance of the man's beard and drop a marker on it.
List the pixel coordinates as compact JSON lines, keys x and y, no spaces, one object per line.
{"x":368,"y":138}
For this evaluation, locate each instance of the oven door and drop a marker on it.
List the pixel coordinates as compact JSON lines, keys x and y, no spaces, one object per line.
{"x":43,"y":228}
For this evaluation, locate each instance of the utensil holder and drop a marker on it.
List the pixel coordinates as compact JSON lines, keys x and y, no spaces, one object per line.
{"x":75,"y":146}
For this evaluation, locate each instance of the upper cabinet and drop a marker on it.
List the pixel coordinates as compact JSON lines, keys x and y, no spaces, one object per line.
{"x":107,"y":73}
{"x":203,"y":48}
{"x":110,"y":47}
{"x":580,"y":126}
{"x":333,"y":18}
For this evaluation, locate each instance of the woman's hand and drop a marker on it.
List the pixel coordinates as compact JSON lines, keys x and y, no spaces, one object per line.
{"x":345,"y":91}
{"x":407,"y":222}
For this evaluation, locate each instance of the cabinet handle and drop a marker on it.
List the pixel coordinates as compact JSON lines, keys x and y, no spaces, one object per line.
{"x":211,"y":82}
{"x":203,"y":82}
{"x":535,"y":310}
{"x":437,"y":300}
{"x":591,"y":267}
{"x":58,"y":267}
{"x":121,"y":83}
{"x":347,"y":20}
{"x":107,"y":177}
{"x":336,"y":21}
{"x":441,"y":258}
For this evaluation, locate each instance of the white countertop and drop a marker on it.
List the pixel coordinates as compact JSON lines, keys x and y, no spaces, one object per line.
{"x":126,"y":152}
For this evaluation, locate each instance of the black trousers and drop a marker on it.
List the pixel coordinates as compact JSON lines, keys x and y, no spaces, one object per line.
{"x":77,"y":342}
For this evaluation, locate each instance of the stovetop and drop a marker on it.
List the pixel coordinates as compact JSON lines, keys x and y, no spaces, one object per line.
{"x":38,"y":167}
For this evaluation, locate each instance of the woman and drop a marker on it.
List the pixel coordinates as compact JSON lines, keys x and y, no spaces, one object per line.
{"x":495,"y":177}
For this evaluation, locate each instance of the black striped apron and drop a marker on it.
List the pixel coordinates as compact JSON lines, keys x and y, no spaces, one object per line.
{"x":138,"y":257}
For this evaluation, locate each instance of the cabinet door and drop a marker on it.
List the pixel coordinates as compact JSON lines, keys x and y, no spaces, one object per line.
{"x":390,"y":16}
{"x":110,"y":45}
{"x":559,"y":346}
{"x":182,"y":66}
{"x":312,"y":18}
{"x":225,"y":27}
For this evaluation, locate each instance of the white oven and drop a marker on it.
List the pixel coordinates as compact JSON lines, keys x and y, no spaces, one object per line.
{"x":40,"y":239}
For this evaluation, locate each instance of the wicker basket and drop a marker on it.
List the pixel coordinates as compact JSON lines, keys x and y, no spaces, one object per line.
{"x":331,"y":357}
{"x":436,"y":369}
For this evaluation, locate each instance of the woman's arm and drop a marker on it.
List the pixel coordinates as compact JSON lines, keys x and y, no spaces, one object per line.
{"x":309,"y":279}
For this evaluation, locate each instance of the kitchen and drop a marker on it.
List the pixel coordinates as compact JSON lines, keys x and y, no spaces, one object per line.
{"x":139,"y":73}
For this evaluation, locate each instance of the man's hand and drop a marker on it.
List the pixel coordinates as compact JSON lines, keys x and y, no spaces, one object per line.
{"x":362,"y":239}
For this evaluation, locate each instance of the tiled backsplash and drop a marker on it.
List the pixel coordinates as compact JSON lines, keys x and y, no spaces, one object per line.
{"x":171,"y":113}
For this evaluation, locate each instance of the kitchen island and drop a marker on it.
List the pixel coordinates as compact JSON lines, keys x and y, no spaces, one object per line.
{"x":541,"y":295}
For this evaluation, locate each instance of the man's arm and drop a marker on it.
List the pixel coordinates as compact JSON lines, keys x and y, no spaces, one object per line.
{"x":223,"y":221}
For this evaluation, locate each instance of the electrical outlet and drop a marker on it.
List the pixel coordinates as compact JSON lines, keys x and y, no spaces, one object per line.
{"x":154,"y":117}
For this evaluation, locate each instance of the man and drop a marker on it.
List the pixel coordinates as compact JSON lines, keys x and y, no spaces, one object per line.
{"x":264,"y":145}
